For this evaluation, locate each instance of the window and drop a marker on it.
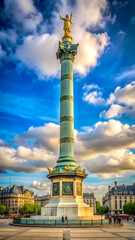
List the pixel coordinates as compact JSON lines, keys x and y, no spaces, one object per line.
{"x":125,"y":201}
{"x":115,"y":192}
{"x":125,"y":192}
{"x":120,"y":204}
{"x":115,"y":197}
{"x":130,"y":192}
{"x":120,"y":192}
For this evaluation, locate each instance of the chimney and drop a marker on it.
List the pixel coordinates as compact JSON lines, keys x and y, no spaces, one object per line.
{"x":109,"y":188}
{"x":115,"y":184}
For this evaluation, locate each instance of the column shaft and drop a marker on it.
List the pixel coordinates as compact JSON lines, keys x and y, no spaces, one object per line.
{"x":66,"y":110}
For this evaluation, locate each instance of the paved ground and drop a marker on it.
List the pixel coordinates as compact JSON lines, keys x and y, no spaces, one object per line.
{"x":28,"y":233}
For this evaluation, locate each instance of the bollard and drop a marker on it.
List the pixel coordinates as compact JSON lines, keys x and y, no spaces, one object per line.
{"x":66,"y":234}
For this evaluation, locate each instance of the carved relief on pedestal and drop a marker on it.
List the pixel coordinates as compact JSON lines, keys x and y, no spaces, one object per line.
{"x":67,"y":188}
{"x":56,"y":189}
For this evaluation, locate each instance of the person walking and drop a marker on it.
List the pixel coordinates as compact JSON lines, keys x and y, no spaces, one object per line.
{"x":62,"y":219}
{"x":110,"y":219}
{"x":114,"y":219}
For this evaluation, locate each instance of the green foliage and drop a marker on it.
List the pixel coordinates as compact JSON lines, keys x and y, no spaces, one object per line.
{"x":8,"y":211}
{"x":30,"y":208}
{"x":129,"y":208}
{"x":100,"y":209}
{"x":2,"y":209}
{"x":104,"y":209}
{"x":37,"y":209}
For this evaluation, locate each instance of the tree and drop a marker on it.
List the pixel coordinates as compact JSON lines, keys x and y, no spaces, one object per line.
{"x":129,"y":208}
{"x":104,"y":209}
{"x":37,"y":209}
{"x":21,"y":210}
{"x":30,"y":208}
{"x":98,"y":207}
{"x":8,"y":211}
{"x":2,"y":209}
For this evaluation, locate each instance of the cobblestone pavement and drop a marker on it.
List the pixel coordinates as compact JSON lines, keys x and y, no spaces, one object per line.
{"x":26,"y":233}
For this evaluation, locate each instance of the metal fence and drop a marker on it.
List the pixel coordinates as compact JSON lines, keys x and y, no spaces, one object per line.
{"x":60,"y":223}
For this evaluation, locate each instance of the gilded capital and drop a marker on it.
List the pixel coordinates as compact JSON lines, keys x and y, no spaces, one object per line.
{"x":66,"y":51}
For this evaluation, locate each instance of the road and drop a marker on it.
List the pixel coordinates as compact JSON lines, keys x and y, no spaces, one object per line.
{"x":36,"y":233}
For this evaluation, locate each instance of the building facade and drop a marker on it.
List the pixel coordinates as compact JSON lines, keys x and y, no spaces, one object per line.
{"x":42,"y":200}
{"x":15,"y":197}
{"x":90,"y":200}
{"x":117,"y":196}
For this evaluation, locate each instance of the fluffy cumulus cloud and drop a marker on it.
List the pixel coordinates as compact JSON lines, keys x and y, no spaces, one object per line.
{"x":39,"y":186}
{"x":115,"y":110}
{"x":23,"y":14}
{"x":25,"y":159}
{"x":122,"y":100}
{"x":102,"y":150}
{"x":37,"y":49}
{"x":91,"y":96}
{"x":39,"y":53}
{"x":46,"y":137}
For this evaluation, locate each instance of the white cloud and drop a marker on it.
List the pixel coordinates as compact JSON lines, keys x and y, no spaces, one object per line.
{"x":110,"y":175}
{"x":124,"y":99}
{"x":34,"y":154}
{"x":102,"y":150}
{"x":25,"y":160}
{"x":93,"y":97}
{"x":126,"y":95}
{"x":38,"y":51}
{"x":39,"y":185}
{"x":113,"y":165}
{"x":94,"y":149}
{"x":89,"y":87}
{"x":23,"y":13}
{"x":114,"y":111}
{"x":46,"y":137}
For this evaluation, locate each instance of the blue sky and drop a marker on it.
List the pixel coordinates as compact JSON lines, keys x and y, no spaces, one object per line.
{"x":104,"y":91}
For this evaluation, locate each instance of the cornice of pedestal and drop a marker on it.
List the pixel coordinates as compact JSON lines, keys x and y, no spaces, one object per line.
{"x":66,"y":50}
{"x":67,"y":174}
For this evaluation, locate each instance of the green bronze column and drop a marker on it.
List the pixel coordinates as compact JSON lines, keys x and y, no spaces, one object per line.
{"x":66,"y":54}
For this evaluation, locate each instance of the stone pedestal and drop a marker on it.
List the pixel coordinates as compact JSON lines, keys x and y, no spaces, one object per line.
{"x":66,"y":197}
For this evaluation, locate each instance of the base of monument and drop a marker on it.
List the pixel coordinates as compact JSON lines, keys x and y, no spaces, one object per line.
{"x":72,"y":208}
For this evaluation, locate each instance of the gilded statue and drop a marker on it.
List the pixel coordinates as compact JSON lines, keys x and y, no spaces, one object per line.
{"x":67,"y":24}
